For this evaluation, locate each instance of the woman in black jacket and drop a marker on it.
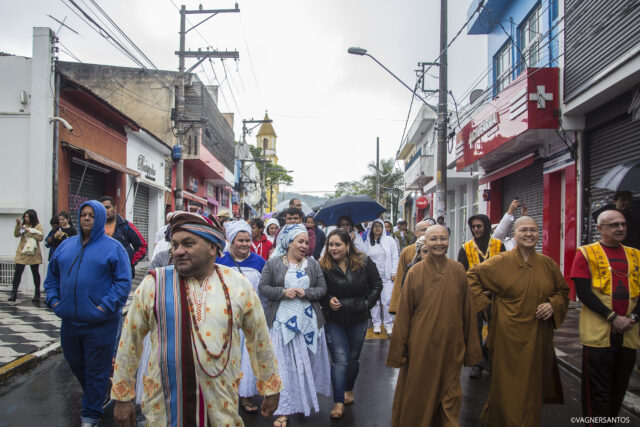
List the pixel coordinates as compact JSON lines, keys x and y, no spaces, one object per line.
{"x":353,"y":287}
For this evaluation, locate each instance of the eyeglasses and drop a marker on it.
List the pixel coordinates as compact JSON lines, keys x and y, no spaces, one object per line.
{"x":346,"y":224}
{"x":616,"y":224}
{"x":477,"y":226}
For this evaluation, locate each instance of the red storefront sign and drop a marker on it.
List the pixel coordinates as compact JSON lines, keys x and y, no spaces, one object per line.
{"x":528,"y":104}
{"x":422,"y":202}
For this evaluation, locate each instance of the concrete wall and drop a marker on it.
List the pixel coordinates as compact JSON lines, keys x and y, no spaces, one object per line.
{"x":146,"y":98}
{"x":27,"y":142}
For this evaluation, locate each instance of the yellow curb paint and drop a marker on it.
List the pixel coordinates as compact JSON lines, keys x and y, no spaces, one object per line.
{"x":16,"y":363}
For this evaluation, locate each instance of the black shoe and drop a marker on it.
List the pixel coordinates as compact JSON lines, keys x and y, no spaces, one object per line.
{"x":36,"y":298}
{"x":476,"y":372}
{"x":13,"y":297}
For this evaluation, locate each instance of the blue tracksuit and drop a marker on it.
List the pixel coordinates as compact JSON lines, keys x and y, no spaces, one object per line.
{"x":82,"y":277}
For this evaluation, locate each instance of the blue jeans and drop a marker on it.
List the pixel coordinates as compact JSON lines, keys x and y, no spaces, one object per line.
{"x":88,"y":350}
{"x":345,"y":344}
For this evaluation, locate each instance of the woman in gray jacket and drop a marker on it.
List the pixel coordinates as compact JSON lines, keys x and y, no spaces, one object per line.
{"x":293,"y":284}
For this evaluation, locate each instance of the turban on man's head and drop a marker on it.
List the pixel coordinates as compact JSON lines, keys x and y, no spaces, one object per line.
{"x":207,"y":228}
{"x":234,"y":227}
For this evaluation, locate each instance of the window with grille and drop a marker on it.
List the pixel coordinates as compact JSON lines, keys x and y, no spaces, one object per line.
{"x":529,"y":40}
{"x":502,"y":64}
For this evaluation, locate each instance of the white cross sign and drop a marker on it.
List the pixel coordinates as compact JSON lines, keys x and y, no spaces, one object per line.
{"x":541,"y":96}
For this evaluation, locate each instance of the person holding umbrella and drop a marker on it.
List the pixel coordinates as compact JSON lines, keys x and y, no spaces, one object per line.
{"x":382,"y":249}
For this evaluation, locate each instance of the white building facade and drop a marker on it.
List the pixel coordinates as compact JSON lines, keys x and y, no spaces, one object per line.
{"x":146,"y":193}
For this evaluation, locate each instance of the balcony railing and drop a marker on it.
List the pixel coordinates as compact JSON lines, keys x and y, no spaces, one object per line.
{"x":420,"y":170}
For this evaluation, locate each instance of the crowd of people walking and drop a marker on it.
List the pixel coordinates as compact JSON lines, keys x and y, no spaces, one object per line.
{"x":235,"y":309}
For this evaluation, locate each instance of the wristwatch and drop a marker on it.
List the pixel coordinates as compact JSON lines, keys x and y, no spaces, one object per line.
{"x":633,"y":317}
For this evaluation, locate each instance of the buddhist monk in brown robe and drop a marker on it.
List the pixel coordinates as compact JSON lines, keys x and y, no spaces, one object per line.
{"x":406,"y":256}
{"x":530,"y":300}
{"x":433,"y":335}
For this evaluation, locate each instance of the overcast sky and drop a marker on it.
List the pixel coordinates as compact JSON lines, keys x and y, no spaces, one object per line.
{"x":328,"y":106}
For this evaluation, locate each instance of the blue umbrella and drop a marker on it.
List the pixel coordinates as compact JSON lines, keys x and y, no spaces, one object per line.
{"x":359,"y":208}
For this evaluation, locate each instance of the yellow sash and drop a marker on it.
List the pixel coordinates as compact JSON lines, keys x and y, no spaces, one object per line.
{"x":471,"y":249}
{"x":601,"y":270}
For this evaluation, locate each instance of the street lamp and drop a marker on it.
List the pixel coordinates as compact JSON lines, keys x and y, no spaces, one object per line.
{"x":363,"y":52}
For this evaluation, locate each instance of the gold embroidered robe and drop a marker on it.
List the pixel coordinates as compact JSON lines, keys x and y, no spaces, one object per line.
{"x":221,"y":393}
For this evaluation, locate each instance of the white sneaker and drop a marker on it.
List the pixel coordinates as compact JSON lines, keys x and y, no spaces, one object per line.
{"x":388,"y":329}
{"x":377,"y":330}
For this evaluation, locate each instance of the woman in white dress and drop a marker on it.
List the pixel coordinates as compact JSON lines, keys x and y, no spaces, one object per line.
{"x":382,"y":249}
{"x":293,"y":284}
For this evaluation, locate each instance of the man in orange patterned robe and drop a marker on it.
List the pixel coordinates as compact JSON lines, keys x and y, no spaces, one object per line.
{"x":193,"y":313}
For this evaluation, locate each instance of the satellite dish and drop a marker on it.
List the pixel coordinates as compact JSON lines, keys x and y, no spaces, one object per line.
{"x":475,"y":94}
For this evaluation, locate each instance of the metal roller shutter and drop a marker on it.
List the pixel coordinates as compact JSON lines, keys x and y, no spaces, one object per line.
{"x":596,"y":31}
{"x":141,"y":211}
{"x":92,"y":187}
{"x":615,"y":142}
{"x":527,"y":185}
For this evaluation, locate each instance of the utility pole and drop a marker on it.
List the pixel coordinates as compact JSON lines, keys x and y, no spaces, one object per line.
{"x":378,"y":169}
{"x":180,"y":117}
{"x":441,"y":174}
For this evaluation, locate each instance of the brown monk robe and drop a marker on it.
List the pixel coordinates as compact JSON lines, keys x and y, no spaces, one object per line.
{"x":406,"y":256}
{"x":530,"y":299}
{"x":434,"y":333}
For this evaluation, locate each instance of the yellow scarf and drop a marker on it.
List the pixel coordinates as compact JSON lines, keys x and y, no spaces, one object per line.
{"x":601,"y":269}
{"x":473,"y":252}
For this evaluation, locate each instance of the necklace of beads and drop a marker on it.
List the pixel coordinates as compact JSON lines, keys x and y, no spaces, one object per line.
{"x":200,"y":298}
{"x":227,"y":336}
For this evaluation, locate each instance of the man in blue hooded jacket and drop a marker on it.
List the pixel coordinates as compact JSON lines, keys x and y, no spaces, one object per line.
{"x":88,"y":282}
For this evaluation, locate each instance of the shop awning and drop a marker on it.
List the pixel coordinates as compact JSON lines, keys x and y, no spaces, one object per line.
{"x":213,"y":202}
{"x":153,"y":184}
{"x":90,"y":155}
{"x":193,"y":197}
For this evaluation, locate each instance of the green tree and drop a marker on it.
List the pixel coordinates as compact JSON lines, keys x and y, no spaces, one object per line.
{"x":391,"y":185}
{"x":274,"y":173}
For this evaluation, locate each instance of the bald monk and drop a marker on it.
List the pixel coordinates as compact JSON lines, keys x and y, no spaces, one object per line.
{"x":607,"y":279}
{"x":406,"y":257}
{"x":530,"y":301}
{"x":434,"y":334}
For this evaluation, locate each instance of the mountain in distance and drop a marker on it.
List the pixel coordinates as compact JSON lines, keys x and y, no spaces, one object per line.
{"x":313,"y":201}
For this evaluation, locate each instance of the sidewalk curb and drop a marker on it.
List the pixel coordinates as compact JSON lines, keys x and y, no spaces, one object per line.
{"x":28,"y":361}
{"x":631,"y":401}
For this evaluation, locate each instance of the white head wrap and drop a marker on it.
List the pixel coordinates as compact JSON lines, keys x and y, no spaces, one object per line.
{"x":271,"y":221}
{"x":285,"y":237}
{"x":232,"y":228}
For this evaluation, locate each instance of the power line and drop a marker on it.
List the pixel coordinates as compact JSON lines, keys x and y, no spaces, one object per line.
{"x":253,"y":72}
{"x":426,"y":70}
{"x":84,"y":16}
{"x":106,"y":15}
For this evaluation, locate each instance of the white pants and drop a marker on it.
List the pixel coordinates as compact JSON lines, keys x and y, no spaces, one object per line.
{"x":385,"y":299}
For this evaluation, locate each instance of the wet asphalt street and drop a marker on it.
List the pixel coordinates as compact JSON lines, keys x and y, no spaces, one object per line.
{"x":49,"y":395}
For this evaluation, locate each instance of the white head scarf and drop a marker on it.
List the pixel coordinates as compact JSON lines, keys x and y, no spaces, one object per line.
{"x":286,"y":236}
{"x":271,"y":221}
{"x":232,"y":228}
